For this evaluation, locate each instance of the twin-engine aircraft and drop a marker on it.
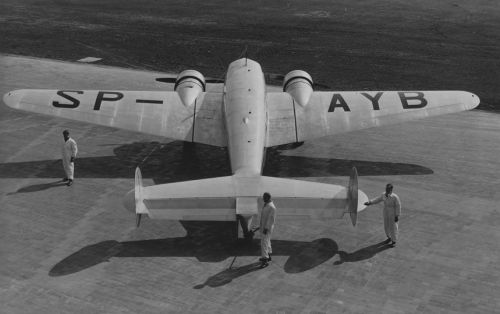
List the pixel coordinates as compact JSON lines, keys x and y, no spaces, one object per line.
{"x":246,"y":119}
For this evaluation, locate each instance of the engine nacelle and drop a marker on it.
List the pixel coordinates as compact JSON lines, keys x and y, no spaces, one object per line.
{"x":189,"y":84}
{"x":299,"y":85}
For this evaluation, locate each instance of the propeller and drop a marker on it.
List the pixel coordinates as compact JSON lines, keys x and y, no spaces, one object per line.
{"x":269,"y":76}
{"x":174,"y":79}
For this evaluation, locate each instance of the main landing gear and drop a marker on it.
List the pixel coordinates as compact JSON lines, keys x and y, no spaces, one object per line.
{"x":246,"y":223}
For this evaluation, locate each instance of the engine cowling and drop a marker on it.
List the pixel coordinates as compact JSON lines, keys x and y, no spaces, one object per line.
{"x":299,"y":85}
{"x":189,"y":84}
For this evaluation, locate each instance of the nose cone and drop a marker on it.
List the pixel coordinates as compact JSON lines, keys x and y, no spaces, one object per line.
{"x":12,"y":99}
{"x":470,"y":101}
{"x":301,"y":94}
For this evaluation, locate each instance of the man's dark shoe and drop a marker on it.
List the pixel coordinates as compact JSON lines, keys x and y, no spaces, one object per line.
{"x":393,"y":244}
{"x":269,"y":259}
{"x":70,"y":183}
{"x":262,"y":259}
{"x":65,"y":179}
{"x":264,"y":264}
{"x":388,"y":241}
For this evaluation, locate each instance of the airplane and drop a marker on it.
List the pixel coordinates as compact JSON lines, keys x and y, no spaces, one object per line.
{"x":246,"y":119}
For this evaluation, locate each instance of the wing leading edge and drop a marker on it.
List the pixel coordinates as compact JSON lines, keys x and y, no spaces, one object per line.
{"x":329,"y":113}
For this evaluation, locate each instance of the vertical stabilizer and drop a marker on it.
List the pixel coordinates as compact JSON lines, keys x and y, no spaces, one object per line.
{"x":140,"y":208}
{"x":352,"y":195}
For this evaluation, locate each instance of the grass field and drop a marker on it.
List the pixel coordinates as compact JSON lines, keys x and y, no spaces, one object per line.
{"x":347,"y":45}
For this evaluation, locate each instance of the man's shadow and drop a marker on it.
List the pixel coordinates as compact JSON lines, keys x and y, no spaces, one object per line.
{"x":40,"y":187}
{"x":181,"y":161}
{"x":365,"y":253}
{"x":227,"y":276}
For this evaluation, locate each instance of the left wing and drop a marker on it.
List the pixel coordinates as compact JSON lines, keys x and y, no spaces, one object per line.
{"x":329,"y":113}
{"x":153,"y":112}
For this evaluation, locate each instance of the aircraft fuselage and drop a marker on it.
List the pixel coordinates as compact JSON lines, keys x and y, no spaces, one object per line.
{"x":245,"y":116}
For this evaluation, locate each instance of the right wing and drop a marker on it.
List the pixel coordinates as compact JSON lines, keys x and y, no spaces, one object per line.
{"x":152,"y":112}
{"x":329,"y":113}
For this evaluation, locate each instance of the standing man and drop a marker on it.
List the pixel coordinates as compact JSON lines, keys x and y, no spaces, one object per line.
{"x":69,"y":151}
{"x":392,"y":210}
{"x":267,"y":219}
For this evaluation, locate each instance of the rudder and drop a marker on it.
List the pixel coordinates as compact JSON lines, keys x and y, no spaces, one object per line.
{"x":140,"y":208}
{"x":352,"y":196}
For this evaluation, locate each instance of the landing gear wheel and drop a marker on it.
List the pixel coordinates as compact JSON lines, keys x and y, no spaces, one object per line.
{"x":249,"y":238}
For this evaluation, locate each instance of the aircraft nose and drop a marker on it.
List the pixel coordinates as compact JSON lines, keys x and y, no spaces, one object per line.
{"x":12,"y":99}
{"x":470,"y":101}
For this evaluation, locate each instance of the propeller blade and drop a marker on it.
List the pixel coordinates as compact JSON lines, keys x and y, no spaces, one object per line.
{"x":174,"y":79}
{"x":274,"y":76}
{"x":213,"y":80}
{"x":321,"y":85}
{"x":167,"y":79}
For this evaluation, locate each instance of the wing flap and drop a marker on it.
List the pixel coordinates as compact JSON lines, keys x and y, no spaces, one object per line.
{"x":209,"y":125}
{"x":281,"y":118}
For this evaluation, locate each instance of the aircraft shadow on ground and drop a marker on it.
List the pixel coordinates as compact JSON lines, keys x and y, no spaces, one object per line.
{"x":314,"y":255}
{"x":207,"y":242}
{"x":278,"y":165}
{"x":180,"y":161}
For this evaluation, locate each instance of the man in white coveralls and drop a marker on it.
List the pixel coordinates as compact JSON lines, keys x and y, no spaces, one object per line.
{"x":392,"y":210}
{"x":267,"y":219}
{"x":69,"y":151}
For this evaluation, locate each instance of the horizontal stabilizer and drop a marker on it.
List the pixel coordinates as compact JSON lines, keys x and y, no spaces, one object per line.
{"x":221,"y":199}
